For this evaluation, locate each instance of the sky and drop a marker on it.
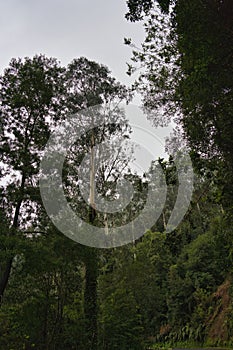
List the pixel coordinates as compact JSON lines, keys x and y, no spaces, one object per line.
{"x":68,"y":29}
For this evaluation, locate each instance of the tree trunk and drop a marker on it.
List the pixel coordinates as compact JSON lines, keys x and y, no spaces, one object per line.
{"x":4,"y":278}
{"x":91,"y":263}
{"x":5,"y":275}
{"x":90,"y":298}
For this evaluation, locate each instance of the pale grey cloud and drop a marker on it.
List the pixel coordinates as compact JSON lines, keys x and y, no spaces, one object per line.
{"x":67,"y":29}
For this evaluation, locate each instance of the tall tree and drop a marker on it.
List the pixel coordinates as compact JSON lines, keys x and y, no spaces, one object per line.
{"x":35,"y":94}
{"x":31,"y":94}
{"x":90,"y":84}
{"x":188,"y":72}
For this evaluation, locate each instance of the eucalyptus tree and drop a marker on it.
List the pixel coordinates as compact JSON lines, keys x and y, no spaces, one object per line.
{"x":91,"y":84}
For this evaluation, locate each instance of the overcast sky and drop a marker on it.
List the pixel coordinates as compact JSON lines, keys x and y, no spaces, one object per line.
{"x":68,"y":29}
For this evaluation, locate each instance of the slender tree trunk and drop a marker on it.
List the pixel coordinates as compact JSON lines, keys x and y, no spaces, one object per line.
{"x":45,"y":323}
{"x":6,"y":268}
{"x":90,"y":298}
{"x":91,"y":263}
{"x":92,"y":174}
{"x":4,"y":278}
{"x":164,"y":222}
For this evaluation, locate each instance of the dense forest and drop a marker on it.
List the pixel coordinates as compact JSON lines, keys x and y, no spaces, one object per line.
{"x":165,"y":289}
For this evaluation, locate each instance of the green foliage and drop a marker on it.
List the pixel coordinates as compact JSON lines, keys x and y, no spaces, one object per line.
{"x":187,"y":73}
{"x":48,"y":281}
{"x":139,"y":8}
{"x":120,"y":321}
{"x":164,"y":288}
